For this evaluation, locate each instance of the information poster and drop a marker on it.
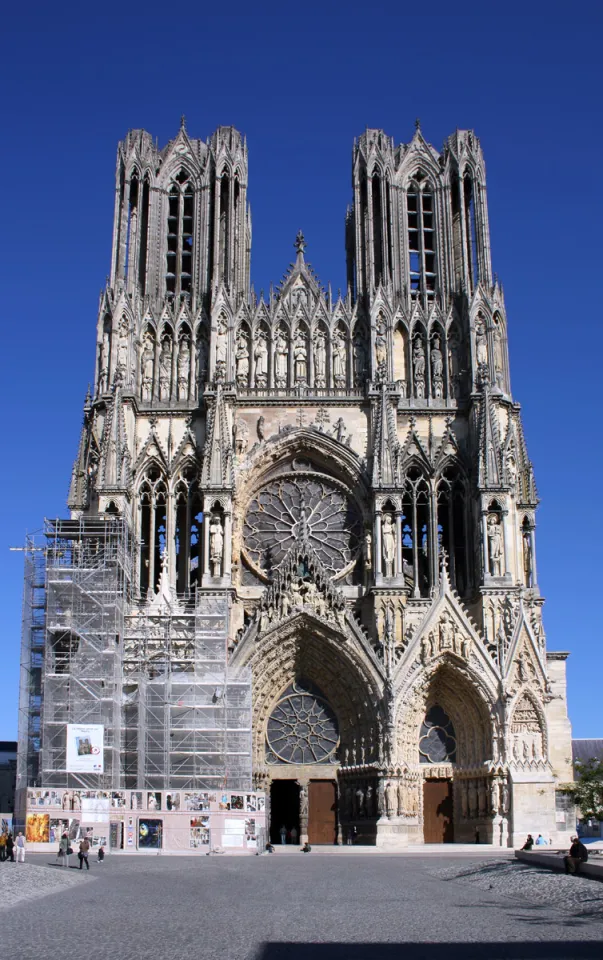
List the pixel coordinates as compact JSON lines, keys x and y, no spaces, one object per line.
{"x":85,"y":742}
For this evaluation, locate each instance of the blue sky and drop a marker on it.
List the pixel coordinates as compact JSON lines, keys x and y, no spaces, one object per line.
{"x":301,"y":81}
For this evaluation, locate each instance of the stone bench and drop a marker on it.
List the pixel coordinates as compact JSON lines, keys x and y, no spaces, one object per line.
{"x":554,"y":861}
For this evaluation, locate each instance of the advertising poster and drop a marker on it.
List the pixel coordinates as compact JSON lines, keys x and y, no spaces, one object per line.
{"x":37,"y":829}
{"x":85,"y":742}
{"x":149,"y":834}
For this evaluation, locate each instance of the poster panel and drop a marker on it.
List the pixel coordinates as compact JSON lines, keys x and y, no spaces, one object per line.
{"x":85,"y":742}
{"x":37,"y":828}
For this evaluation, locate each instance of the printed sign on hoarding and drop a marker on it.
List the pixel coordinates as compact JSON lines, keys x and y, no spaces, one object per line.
{"x":85,"y":743}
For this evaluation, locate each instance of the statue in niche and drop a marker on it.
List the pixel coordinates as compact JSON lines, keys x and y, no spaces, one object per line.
{"x":391,"y":798}
{"x":122,"y":347}
{"x":418,"y":362}
{"x":498,"y":356}
{"x":320,"y":359}
{"x":359,"y":797}
{"x":446,"y":632}
{"x":104,"y":359}
{"x":216,"y":545}
{"x":481,"y":344}
{"x":401,"y":798}
{"x":494,"y":545}
{"x":300,"y":358}
{"x":388,"y":539}
{"x":260,"y":359}
{"x":147,"y":363}
{"x":221,"y":349}
{"x":339,"y":360}
{"x":281,"y":353}
{"x":242,"y":361}
{"x":526,"y":540}
{"x":201,"y":357}
{"x":454,"y":370}
{"x":512,"y":471}
{"x":437,"y":368}
{"x":381,"y":348}
{"x":183,"y":367}
{"x":359,"y":360}
{"x":165,"y":369}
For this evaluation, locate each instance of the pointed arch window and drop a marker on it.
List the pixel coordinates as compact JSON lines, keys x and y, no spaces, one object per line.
{"x":452,"y":526}
{"x":180,"y":233}
{"x":416,"y":524}
{"x":421,"y":238}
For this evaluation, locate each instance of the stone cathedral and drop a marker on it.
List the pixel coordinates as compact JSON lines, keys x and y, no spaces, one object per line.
{"x":347,"y":475}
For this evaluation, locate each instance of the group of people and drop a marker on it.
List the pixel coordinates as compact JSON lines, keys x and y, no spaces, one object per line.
{"x":8,"y":845}
{"x":65,"y":851}
{"x":577,"y":855}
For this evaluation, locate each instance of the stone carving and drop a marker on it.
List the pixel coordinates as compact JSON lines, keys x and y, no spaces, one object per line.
{"x":165,"y":369}
{"x":526,"y":542}
{"x":454,"y":370}
{"x":381,"y":348}
{"x":216,"y":545}
{"x":202,"y":354}
{"x":481,"y":345}
{"x":261,"y":429}
{"x":339,"y":360}
{"x":388,"y":539}
{"x":418,"y":365}
{"x":147,"y":363}
{"x":183,"y":367}
{"x":389,"y":642}
{"x":526,"y":731}
{"x":281,"y":360}
{"x":320,"y":359}
{"x":495,"y":548}
{"x":391,"y":799}
{"x":300,"y":358}
{"x":240,"y":437}
{"x":242,"y":360}
{"x":359,"y":360}
{"x":221,"y":349}
{"x":437,"y":369}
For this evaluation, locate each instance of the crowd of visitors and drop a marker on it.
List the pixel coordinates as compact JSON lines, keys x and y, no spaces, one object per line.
{"x":8,"y":845}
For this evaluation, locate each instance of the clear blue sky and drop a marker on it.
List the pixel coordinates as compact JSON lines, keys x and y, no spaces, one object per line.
{"x":301,"y":81}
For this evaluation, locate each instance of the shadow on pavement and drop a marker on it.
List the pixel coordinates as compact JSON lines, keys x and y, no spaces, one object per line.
{"x":535,"y":950}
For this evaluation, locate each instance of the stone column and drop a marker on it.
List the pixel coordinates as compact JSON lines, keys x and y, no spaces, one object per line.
{"x":170,"y":538}
{"x":303,"y":811}
{"x":399,"y":543}
{"x":505,"y":535}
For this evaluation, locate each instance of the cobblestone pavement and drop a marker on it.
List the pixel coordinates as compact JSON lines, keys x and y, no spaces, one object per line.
{"x":307,"y":908}
{"x":27,"y":881}
{"x":580,"y":896}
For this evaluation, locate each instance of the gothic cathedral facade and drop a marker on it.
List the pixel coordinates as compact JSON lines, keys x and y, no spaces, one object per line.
{"x":349,"y":475}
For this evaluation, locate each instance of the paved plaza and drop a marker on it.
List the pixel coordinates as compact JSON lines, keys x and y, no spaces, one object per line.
{"x":348,"y":907}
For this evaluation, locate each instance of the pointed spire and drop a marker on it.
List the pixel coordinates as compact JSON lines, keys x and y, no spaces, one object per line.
{"x":418,"y":124}
{"x":386,"y":448}
{"x":218,"y":453}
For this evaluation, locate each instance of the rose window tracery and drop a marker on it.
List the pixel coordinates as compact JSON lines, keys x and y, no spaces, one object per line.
{"x":291,"y":508}
{"x":302,"y":728}
{"x":437,"y":743}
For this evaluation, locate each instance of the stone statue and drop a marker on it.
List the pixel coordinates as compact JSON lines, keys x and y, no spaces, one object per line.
{"x":104,"y":360}
{"x":340,"y":430}
{"x":512,"y":472}
{"x":368,"y":549}
{"x":221,"y":349}
{"x":261,"y":429}
{"x":370,"y":801}
{"x":418,"y":362}
{"x":498,"y":356}
{"x":401,"y":798}
{"x":183,"y":367}
{"x":165,"y":369}
{"x":201,"y":357}
{"x":494,"y":545}
{"x":122,"y":347}
{"x":216,"y":545}
{"x":320,"y":359}
{"x":454,"y":369}
{"x":446,"y":632}
{"x":147,"y":363}
{"x":359,"y":360}
{"x":242,"y":359}
{"x":437,"y":368}
{"x":281,"y":360}
{"x":360,"y":809}
{"x":391,"y":797}
{"x":388,"y":538}
{"x":526,"y":539}
{"x":300,"y":357}
{"x":481,"y":345}
{"x":381,"y":348}
{"x":339,"y":360}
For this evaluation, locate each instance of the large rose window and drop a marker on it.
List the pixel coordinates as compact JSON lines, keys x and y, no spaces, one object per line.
{"x":302,"y":728}
{"x":294,"y":507}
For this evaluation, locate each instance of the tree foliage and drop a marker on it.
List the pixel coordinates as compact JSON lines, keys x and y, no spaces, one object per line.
{"x":587,"y":790}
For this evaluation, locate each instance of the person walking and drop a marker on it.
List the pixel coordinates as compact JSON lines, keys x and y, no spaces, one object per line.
{"x":10,"y":848}
{"x":64,"y":849}
{"x":2,"y":847}
{"x":100,"y":856}
{"x":20,"y":844}
{"x":293,"y":834}
{"x":83,"y":853}
{"x":283,"y":833}
{"x":578,"y":854}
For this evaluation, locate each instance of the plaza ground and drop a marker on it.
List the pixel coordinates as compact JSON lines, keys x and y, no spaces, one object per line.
{"x":325,"y":906}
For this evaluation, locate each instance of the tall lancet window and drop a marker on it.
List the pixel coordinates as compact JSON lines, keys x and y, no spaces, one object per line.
{"x":421,"y":238}
{"x":180,"y":227}
{"x":471,"y":229}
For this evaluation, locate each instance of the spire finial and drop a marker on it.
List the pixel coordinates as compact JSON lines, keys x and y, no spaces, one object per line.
{"x":418,"y":124}
{"x":183,"y":122}
{"x":300,"y":245}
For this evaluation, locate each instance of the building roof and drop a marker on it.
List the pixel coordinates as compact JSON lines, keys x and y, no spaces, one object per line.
{"x":584,"y":750}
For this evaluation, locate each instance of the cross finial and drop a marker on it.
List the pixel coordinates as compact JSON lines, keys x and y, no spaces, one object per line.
{"x":418,"y":124}
{"x":183,"y":122}
{"x":300,"y":243}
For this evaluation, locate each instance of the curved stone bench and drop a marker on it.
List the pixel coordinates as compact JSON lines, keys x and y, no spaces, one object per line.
{"x":554,"y":861}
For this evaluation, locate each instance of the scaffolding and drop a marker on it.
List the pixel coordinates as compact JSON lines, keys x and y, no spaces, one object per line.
{"x":153,"y":672}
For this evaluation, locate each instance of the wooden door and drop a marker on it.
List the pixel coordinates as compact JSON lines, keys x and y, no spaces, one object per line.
{"x":437,"y":811}
{"x":322,"y":812}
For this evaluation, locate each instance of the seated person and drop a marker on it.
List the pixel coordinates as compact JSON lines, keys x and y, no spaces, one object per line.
{"x":578,"y":854}
{"x":529,"y":842}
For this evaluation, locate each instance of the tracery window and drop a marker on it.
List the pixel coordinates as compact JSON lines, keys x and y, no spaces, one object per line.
{"x":302,"y":727}
{"x":421,"y":240}
{"x":437,"y":739}
{"x":296,"y":506}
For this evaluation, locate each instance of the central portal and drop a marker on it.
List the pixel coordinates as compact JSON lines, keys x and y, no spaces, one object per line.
{"x":284,"y":811}
{"x":437,"y":811}
{"x":322,"y":812}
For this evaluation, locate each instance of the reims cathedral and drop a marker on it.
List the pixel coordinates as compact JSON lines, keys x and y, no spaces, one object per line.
{"x":319,"y":514}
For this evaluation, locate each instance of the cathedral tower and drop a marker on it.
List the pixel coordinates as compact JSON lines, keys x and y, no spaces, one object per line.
{"x":347,"y":480}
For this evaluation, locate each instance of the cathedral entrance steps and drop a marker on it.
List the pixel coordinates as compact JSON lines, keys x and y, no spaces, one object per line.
{"x":416,"y":850}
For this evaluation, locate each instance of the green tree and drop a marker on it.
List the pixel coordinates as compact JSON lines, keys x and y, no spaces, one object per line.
{"x":587,"y":790}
